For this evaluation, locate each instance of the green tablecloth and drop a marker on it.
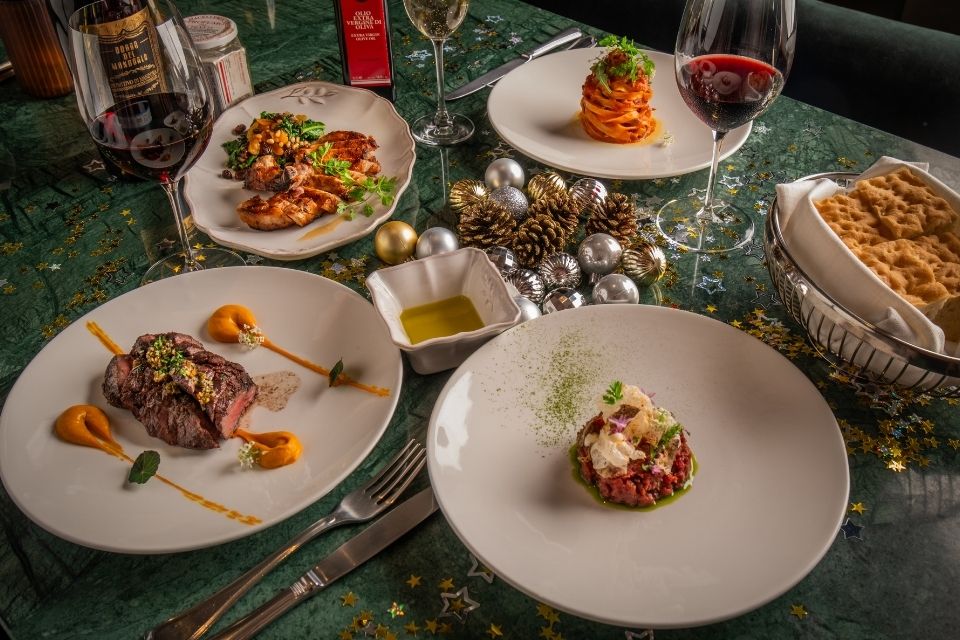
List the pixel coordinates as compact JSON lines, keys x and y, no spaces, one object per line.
{"x":71,"y":238}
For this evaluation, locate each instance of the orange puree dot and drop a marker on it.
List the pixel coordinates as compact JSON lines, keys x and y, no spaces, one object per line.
{"x":278,"y":448}
{"x":228,"y":321}
{"x":87,"y":426}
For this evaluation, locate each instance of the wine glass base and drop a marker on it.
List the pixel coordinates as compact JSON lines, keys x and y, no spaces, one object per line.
{"x":685,"y":225}
{"x":177,"y":263}
{"x":426,"y":132}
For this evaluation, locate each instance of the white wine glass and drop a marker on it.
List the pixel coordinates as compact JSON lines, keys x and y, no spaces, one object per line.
{"x":731,"y":60}
{"x":142,"y":94}
{"x":437,"y":20}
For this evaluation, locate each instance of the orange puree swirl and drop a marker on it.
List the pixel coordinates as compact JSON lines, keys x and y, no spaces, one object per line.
{"x":277,"y":448}
{"x":237,"y":324}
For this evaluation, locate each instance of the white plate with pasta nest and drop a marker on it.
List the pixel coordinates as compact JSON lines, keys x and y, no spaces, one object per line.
{"x":535,"y":108}
{"x":213,"y":199}
{"x":81,"y":494}
{"x":766,"y":502}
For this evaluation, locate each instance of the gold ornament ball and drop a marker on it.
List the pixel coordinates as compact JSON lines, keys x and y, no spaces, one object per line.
{"x":395,"y":242}
{"x":465,"y":193}
{"x":545,"y":184}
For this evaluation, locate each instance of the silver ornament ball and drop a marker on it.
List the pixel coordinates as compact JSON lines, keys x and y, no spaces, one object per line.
{"x":528,"y":308}
{"x":645,"y":264}
{"x":599,"y":253}
{"x":513,"y":201}
{"x":563,"y":298}
{"x":528,"y":283}
{"x":504,"y":172}
{"x":588,"y":195}
{"x":560,"y":270}
{"x":615,"y":288}
{"x":503,"y":259}
{"x":436,"y":240}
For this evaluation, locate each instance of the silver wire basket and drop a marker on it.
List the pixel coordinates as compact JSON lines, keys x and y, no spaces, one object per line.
{"x":855,"y":346}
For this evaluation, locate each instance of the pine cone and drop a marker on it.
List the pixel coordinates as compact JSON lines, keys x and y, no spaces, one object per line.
{"x":536,"y":238}
{"x":486,"y":224}
{"x":617,"y":216}
{"x":561,"y":208}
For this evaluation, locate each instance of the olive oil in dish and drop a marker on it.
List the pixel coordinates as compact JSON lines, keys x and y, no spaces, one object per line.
{"x":440,"y":319}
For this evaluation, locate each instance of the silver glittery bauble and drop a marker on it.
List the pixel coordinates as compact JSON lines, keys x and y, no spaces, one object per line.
{"x":615,"y":288}
{"x":545,"y":184}
{"x":504,"y":172}
{"x":560,"y":270}
{"x":588,"y":194}
{"x":562,"y":299}
{"x":528,"y":283}
{"x":436,"y":240}
{"x":503,"y":259}
{"x":513,"y":201}
{"x":645,"y":264}
{"x":465,"y":193}
{"x":528,"y":308}
{"x":599,"y":253}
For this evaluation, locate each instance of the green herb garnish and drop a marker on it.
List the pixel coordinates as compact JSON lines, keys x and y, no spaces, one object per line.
{"x":335,"y":372}
{"x":144,"y":467}
{"x":623,"y":59}
{"x":613,"y":393}
{"x":665,"y":439}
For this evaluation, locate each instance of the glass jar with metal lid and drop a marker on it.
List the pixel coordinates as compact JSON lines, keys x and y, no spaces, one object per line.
{"x":224,"y":57}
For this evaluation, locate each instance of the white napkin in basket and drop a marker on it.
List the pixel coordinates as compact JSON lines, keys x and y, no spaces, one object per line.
{"x":839,"y":273}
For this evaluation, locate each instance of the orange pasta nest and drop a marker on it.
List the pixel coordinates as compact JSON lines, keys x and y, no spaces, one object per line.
{"x":615,"y":106}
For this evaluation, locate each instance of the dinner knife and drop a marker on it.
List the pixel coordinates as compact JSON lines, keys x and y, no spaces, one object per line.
{"x":490,"y":77}
{"x":347,"y":557}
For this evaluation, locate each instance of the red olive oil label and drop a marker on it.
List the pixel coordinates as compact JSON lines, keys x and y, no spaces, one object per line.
{"x":365,"y":40}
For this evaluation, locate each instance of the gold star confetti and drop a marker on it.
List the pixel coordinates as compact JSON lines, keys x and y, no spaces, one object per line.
{"x":414,"y":581}
{"x":348,"y":599}
{"x":711,"y":308}
{"x":857,"y":507}
{"x":494,"y":631}
{"x":431,"y":626}
{"x":396,"y":610}
{"x":346,"y":635}
{"x":380,"y":631}
{"x":896,"y":465}
{"x":799,"y":611}
{"x":125,"y":212}
{"x":953,"y":442}
{"x":446,"y":628}
{"x":446,"y":584}
{"x":411,"y":628}
{"x":546,"y":632}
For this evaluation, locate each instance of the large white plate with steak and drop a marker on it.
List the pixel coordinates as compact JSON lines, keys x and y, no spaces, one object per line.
{"x":214,"y":200}
{"x":82,"y":493}
{"x":765,"y":504}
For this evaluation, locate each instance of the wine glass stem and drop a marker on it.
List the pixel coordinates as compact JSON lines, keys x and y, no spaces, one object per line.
{"x":173,"y":191}
{"x":718,"y":137}
{"x":441,"y":120}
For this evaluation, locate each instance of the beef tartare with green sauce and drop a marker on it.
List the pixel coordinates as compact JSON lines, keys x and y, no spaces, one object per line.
{"x":634,"y":452}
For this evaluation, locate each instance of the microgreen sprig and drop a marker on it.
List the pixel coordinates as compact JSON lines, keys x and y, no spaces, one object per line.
{"x":614,"y":392}
{"x":627,"y":65}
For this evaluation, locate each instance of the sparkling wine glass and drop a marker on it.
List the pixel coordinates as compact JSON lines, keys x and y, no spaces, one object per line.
{"x":142,"y":94}
{"x":731,"y":60}
{"x":437,"y":19}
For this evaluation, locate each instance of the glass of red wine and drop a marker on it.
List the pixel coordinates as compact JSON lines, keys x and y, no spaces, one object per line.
{"x":142,"y":94}
{"x":731,"y":58}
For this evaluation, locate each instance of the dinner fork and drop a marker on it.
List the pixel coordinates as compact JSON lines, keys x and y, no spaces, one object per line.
{"x":360,"y":505}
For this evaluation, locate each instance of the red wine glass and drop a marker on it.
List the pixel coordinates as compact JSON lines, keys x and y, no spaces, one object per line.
{"x":731,"y":60}
{"x":142,"y":94}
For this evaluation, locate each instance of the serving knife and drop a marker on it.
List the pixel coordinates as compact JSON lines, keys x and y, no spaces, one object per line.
{"x":342,"y":561}
{"x":564,"y":37}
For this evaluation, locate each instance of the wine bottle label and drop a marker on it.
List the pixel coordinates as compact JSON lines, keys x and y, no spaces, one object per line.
{"x":365,"y":42}
{"x":129,"y":48}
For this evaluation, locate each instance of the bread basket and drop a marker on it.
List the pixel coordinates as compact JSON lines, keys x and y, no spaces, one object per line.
{"x":847,"y":341}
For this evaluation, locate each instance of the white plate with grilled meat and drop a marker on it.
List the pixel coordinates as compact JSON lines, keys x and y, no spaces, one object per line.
{"x":82,"y":494}
{"x":213,"y":199}
{"x":765,"y":505}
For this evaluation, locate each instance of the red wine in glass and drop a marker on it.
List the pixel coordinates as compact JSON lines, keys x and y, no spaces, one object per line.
{"x":156,"y":137}
{"x":731,"y":60}
{"x":727,"y":91}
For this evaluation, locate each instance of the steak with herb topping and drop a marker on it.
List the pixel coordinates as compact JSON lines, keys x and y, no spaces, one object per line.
{"x":181,"y":393}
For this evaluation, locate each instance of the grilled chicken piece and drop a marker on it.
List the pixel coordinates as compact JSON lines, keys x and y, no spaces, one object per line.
{"x":262,"y":174}
{"x":287,"y":208}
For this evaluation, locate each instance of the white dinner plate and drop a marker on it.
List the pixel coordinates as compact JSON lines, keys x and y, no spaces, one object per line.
{"x":213,"y":199}
{"x":536,"y":107}
{"x":764,"y":507}
{"x":80,"y":493}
